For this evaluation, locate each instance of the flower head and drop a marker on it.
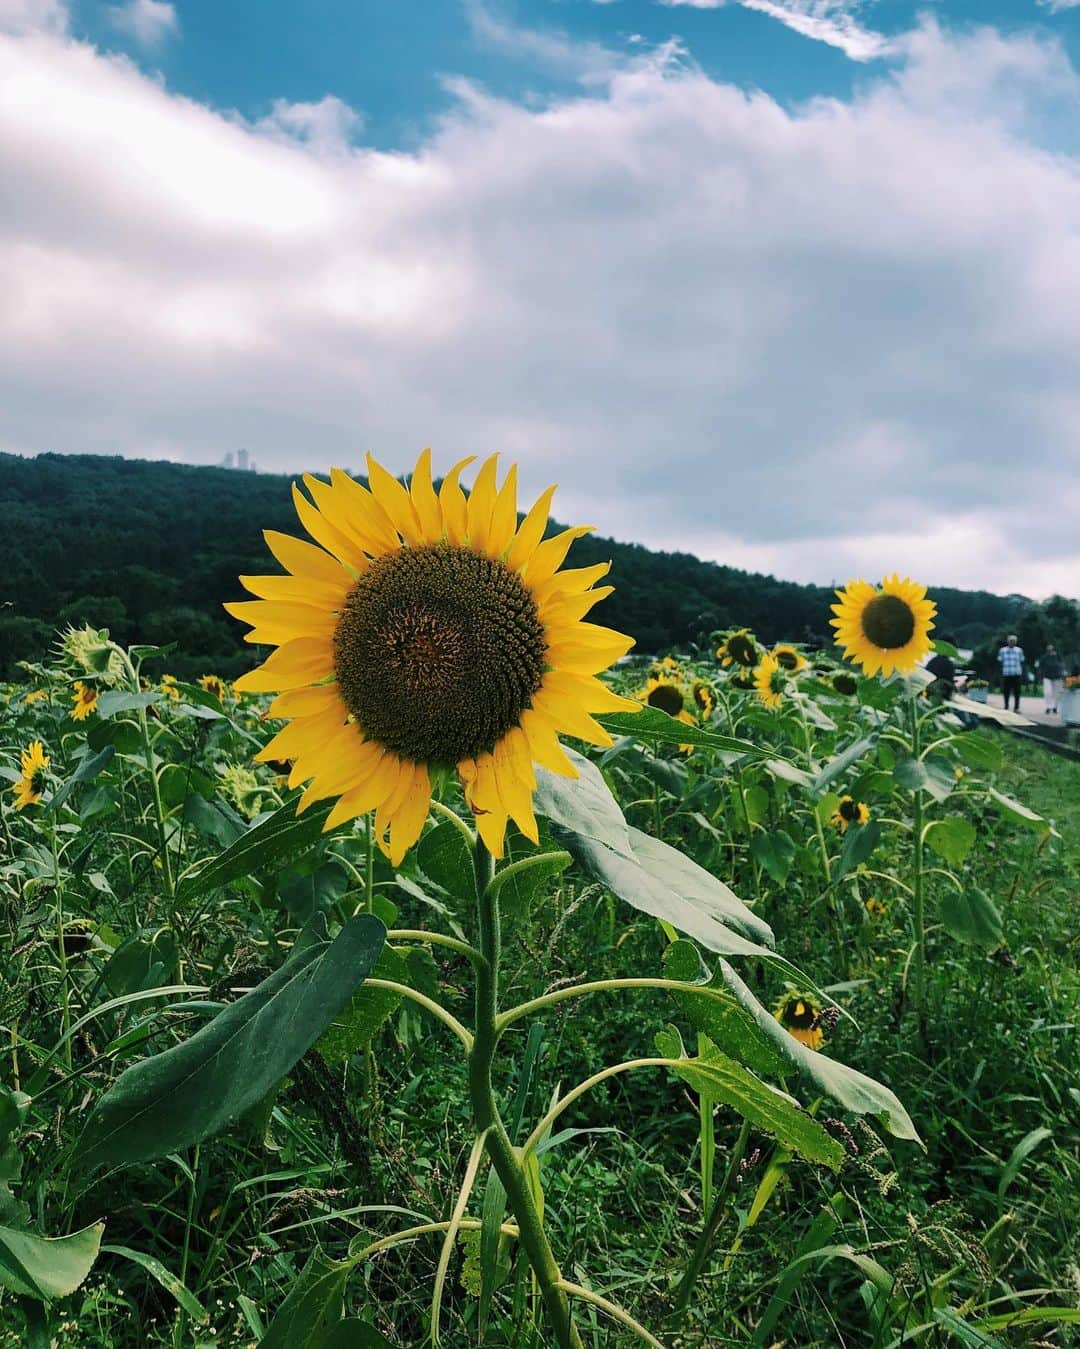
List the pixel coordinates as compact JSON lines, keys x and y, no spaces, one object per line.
{"x":36,"y":695}
{"x":35,"y":765}
{"x":169,"y":687}
{"x":885,"y":628}
{"x":704,"y":698}
{"x":789,"y":659}
{"x":84,"y":700}
{"x":215,"y":686}
{"x":846,"y":684}
{"x":423,"y":631}
{"x":770,"y":681}
{"x":849,"y":811}
{"x":739,"y":648}
{"x":801,"y":1017}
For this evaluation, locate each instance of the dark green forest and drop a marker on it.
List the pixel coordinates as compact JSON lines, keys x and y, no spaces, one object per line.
{"x":150,"y":550}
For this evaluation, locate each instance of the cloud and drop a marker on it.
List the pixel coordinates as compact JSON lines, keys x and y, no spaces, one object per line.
{"x":149,"y":22}
{"x":1059,"y":6}
{"x":836,"y":339}
{"x":829,"y":21}
{"x":27,"y":16}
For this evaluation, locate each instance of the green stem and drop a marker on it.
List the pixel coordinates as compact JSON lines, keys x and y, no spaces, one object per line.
{"x":599,"y":986}
{"x":155,"y":788}
{"x":435,"y":939}
{"x":504,"y":1157}
{"x":369,"y":866}
{"x":61,"y":945}
{"x":580,"y":1090}
{"x":429,"y":1004}
{"x":704,"y":1243}
{"x":918,"y":898}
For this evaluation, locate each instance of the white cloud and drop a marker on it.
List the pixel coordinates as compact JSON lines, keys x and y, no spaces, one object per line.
{"x":830,"y":21}
{"x":149,"y":22}
{"x":27,"y":16}
{"x":844,"y":338}
{"x":1059,"y":6}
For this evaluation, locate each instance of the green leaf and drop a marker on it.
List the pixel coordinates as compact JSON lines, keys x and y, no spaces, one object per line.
{"x":47,"y":1267}
{"x":843,"y":761}
{"x":718,"y":1078}
{"x":355,"y":1334}
{"x":90,"y":767}
{"x":166,"y":1278}
{"x":518,"y":889}
{"x":366,"y":1010}
{"x":1020,"y":1154}
{"x":192,"y":1090}
{"x":283,"y":834}
{"x":775,"y":851}
{"x":1015,"y":811}
{"x":951,"y":838}
{"x":926,"y":775}
{"x":113,"y":701}
{"x":311,"y":1314}
{"x":979,"y":751}
{"x":970,"y":916}
{"x":849,"y":1088}
{"x":583,"y":804}
{"x":653,"y":726}
{"x":860,"y":840}
{"x":443,"y":856}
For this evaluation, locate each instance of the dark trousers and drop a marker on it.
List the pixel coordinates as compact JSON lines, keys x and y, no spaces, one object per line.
{"x":1011,"y":684}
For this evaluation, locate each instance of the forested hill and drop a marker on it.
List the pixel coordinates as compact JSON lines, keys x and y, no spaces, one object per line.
{"x":150,"y":550}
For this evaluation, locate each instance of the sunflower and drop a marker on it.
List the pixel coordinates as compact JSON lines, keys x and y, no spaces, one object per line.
{"x":849,"y":811}
{"x":668,"y":665}
{"x":84,"y":701}
{"x":742,"y":679}
{"x":36,"y":695}
{"x":35,"y":763}
{"x":845,"y":684}
{"x":801,"y":1017}
{"x":424,"y":631}
{"x":667,"y":694}
{"x":738,"y":649}
{"x":875,"y":908}
{"x":168,"y":686}
{"x":215,"y":686}
{"x":770,"y":681}
{"x":885,"y":628}
{"x":789,"y":659}
{"x":704,"y":698}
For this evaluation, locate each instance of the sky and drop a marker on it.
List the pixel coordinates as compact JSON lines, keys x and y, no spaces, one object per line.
{"x":790,"y":284}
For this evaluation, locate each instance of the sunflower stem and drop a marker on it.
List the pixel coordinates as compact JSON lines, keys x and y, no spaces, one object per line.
{"x":707,"y":1237}
{"x":504,"y":1157}
{"x":155,"y":788}
{"x":918,"y":899}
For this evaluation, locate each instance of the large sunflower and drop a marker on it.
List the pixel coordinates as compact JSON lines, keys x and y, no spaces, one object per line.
{"x":770,"y":681}
{"x":35,"y":766}
{"x":885,"y":628}
{"x":428,"y":630}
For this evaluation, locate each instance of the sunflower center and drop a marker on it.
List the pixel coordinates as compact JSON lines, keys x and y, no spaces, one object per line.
{"x":799,"y":1014}
{"x":437,"y":652}
{"x":667,"y":698}
{"x":849,"y":809}
{"x":743,"y":650}
{"x":888,"y":622}
{"x":787,"y":659}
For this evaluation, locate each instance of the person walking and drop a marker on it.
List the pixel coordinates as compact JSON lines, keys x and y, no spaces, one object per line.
{"x":1052,"y":668}
{"x":1011,"y":659}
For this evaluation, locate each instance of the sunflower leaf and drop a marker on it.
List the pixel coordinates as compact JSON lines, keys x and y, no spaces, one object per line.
{"x":654,"y":726}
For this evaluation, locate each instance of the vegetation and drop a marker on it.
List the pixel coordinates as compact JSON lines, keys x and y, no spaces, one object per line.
{"x":189,"y":532}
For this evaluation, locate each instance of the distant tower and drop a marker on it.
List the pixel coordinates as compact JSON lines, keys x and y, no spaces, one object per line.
{"x":228,"y":461}
{"x":242,"y":460}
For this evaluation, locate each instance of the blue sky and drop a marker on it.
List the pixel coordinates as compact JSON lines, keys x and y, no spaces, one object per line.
{"x":791,"y":284}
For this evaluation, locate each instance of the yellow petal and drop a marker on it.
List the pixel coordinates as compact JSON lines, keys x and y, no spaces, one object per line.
{"x":274,"y":622}
{"x":481,"y":503}
{"x":544,"y":744}
{"x":549,"y":556}
{"x":513,"y":793}
{"x":367,"y":519}
{"x":567,"y":716}
{"x":306,"y":702}
{"x":306,"y":660}
{"x":587,"y":692}
{"x":394,"y":500}
{"x":304,"y":559}
{"x":408,"y":823}
{"x":368,"y":795}
{"x":503,"y":516}
{"x":322,"y":531}
{"x":491,"y":826}
{"x":424,"y":500}
{"x":300,"y":589}
{"x":530,"y":532}
{"x":452,"y":501}
{"x":573,"y":581}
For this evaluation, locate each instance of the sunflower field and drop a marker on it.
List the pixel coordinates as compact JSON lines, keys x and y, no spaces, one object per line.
{"x":454,"y":977}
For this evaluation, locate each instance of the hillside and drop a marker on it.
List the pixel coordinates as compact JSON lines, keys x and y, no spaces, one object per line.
{"x":150,"y":550}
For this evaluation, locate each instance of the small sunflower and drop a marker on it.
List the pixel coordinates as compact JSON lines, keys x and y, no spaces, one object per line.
{"x":84,"y":700}
{"x":849,"y":811}
{"x":801,"y":1017}
{"x":35,"y":765}
{"x":875,"y":908}
{"x":885,"y":628}
{"x":704,"y":698}
{"x":667,"y":664}
{"x":668,"y":695}
{"x":739,"y":648}
{"x":789,"y":659}
{"x":423,"y":631}
{"x":168,"y":686}
{"x":770,"y":681}
{"x":36,"y":695}
{"x":215,"y":686}
{"x":846,"y":684}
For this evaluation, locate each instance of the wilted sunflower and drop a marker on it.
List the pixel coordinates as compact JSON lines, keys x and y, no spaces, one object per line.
{"x":845,"y":684}
{"x":739,"y":648}
{"x":84,"y":700}
{"x":884,"y":628}
{"x":35,"y":763}
{"x":704,"y":698}
{"x":423,"y":631}
{"x":849,"y":811}
{"x":770,"y":681}
{"x":801,"y":1018}
{"x":789,"y":659}
{"x":215,"y":686}
{"x":168,"y":686}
